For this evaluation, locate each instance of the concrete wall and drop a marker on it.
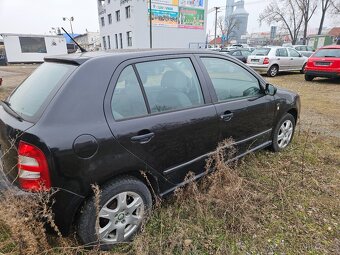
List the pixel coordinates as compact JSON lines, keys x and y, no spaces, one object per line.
{"x":55,"y":45}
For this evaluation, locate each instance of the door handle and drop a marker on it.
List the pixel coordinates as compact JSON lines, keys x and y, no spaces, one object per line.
{"x":291,"y":59}
{"x":142,"y":139}
{"x":226,"y":116}
{"x":278,"y":58}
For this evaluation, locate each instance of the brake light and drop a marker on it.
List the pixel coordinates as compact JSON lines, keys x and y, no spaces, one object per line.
{"x":32,"y":168}
{"x":266,"y":61}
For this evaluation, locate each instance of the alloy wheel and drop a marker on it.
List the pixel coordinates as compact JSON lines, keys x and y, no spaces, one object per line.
{"x":120,"y":217}
{"x":285,"y":134}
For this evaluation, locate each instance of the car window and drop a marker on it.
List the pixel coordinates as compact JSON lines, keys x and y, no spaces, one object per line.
{"x":236,"y":53}
{"x":328,"y":53}
{"x":230,"y":80}
{"x":299,"y":48}
{"x":309,"y":48}
{"x":170,"y":84}
{"x":282,"y":52}
{"x":32,"y":94}
{"x":245,"y":53}
{"x":127,"y":100}
{"x":261,"y":52}
{"x":293,"y":53}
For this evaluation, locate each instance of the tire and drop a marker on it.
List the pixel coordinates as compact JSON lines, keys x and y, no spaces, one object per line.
{"x":124,"y":205}
{"x":308,"y":77}
{"x":283,"y":133}
{"x":302,"y":71}
{"x":273,"y":71}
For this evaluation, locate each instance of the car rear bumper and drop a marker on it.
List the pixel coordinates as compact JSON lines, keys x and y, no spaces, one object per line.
{"x":322,"y":74}
{"x":259,"y":68}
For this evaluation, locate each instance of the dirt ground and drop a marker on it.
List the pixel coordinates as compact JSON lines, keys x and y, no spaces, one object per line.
{"x":320,"y":99}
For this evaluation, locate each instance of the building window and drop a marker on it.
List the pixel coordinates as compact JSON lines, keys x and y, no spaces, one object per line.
{"x":129,"y":38}
{"x":117,"y":16}
{"x":102,"y":21}
{"x":128,"y":12}
{"x":116,"y":37}
{"x":32,"y":44}
{"x":109,"y":17}
{"x":101,"y":2}
{"x":121,"y":40}
{"x":108,"y":1}
{"x":108,"y":42}
{"x":104,"y":43}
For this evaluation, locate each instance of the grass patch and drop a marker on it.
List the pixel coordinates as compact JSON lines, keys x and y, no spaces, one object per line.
{"x":284,"y":203}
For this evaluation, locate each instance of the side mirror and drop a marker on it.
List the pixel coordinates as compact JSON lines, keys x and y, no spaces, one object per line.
{"x":270,"y":89}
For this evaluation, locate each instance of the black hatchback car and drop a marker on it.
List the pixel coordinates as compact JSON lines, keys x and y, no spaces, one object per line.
{"x":104,"y":117}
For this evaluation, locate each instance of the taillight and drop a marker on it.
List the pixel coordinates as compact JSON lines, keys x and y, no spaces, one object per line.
{"x":32,"y":168}
{"x":266,"y":61}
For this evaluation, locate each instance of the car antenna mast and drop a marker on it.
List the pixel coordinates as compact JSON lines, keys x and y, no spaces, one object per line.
{"x":81,"y":48}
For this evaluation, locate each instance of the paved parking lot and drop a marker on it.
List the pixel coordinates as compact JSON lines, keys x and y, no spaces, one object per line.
{"x":320,"y":98}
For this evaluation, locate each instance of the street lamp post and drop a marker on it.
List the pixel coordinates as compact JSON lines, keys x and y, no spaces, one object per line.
{"x":70,"y":20}
{"x":150,"y":6}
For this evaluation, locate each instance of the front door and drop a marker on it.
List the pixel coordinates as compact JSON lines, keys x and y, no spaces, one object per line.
{"x":162,"y":115}
{"x":245,"y":112}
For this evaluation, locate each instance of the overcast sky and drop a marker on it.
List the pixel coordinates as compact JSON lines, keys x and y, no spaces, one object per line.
{"x":38,"y":16}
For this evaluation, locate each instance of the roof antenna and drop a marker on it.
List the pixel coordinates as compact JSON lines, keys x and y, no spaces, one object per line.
{"x":81,"y":48}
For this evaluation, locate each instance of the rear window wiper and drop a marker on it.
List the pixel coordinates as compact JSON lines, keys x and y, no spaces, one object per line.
{"x":8,"y":108}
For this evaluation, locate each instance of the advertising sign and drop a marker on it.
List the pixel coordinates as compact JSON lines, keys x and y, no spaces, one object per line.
{"x":164,"y":15}
{"x":191,"y":18}
{"x":192,"y":3}
{"x":187,"y":14}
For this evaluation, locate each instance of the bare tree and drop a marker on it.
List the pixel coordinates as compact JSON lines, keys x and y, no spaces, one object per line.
{"x":325,"y":4}
{"x":307,"y":8}
{"x":336,"y":7}
{"x":287,"y":13}
{"x":227,"y":26}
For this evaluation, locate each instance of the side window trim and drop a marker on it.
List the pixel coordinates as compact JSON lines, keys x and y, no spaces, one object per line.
{"x":142,"y":88}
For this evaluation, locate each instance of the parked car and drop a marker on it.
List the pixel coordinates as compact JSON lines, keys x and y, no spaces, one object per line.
{"x":274,"y":59}
{"x":102,"y":118}
{"x":305,"y":50}
{"x":325,"y":62}
{"x":3,"y":60}
{"x":240,"y":54}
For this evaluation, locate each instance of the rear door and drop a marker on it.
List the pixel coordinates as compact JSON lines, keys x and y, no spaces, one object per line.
{"x":245,"y":113}
{"x":283,"y":59}
{"x":296,"y":59}
{"x":159,"y":110}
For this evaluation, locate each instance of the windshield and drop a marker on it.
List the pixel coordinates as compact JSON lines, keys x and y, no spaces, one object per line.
{"x":35,"y":91}
{"x":261,"y":52}
{"x":330,"y":53}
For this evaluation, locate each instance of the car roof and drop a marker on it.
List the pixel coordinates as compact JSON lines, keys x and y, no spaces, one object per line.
{"x":331,"y":47}
{"x":80,"y":58}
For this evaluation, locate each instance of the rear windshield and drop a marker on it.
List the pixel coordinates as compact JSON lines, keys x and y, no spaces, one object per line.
{"x":261,"y":52}
{"x":32,"y":95}
{"x":328,"y":53}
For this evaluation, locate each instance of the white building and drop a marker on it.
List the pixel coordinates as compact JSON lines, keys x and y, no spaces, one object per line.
{"x":175,"y":23}
{"x":89,"y":41}
{"x":21,"y":48}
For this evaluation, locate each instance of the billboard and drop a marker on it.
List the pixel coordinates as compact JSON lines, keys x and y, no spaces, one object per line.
{"x":187,"y":14}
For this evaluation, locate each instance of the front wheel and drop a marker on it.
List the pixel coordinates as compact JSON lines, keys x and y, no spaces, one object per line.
{"x":273,"y":71}
{"x":123,"y":206}
{"x":283,"y":133}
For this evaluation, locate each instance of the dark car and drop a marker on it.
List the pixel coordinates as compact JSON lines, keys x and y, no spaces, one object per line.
{"x":240,"y":54}
{"x":102,"y":118}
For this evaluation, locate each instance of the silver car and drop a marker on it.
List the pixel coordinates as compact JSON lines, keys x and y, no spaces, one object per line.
{"x":305,"y":50}
{"x":275,"y":59}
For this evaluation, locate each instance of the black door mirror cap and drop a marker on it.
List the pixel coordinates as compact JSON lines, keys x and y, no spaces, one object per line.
{"x":270,"y":89}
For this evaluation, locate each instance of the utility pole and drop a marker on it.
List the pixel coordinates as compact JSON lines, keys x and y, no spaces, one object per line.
{"x":150,"y":24}
{"x":216,"y":11}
